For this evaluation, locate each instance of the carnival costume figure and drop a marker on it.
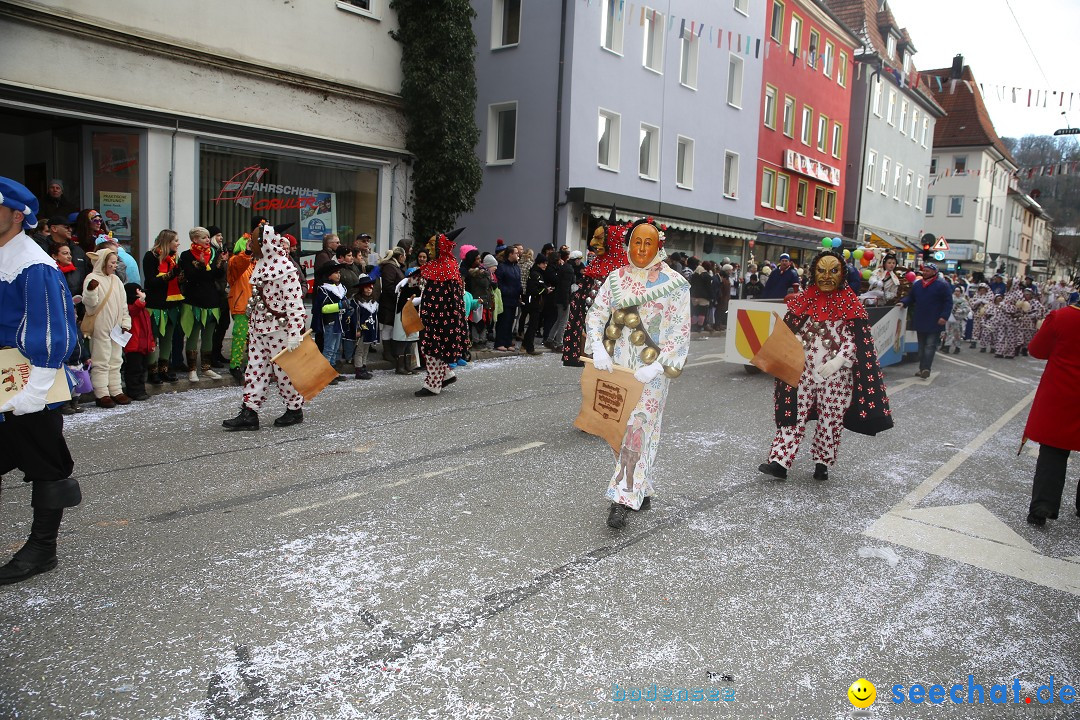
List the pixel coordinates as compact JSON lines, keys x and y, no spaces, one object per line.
{"x":445,"y":336}
{"x":276,"y":321}
{"x":607,"y":244}
{"x":1008,"y":336}
{"x":979,"y":306}
{"x":648,"y":305}
{"x":37,"y":316}
{"x":841,"y":384}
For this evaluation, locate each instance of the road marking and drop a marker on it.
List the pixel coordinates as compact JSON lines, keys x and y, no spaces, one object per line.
{"x":523,"y":448}
{"x":917,"y":495}
{"x":908,"y":382}
{"x":946,"y":358}
{"x":999,"y":376}
{"x":436,"y":473}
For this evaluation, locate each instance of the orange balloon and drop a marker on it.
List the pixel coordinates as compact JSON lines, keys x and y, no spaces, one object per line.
{"x":864,"y":261}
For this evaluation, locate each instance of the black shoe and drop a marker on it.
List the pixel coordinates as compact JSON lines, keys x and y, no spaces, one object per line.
{"x":999,"y":355}
{"x":1037,"y":520}
{"x":646,"y":503}
{"x":616,"y":517}
{"x":982,"y":349}
{"x":140,"y":397}
{"x":450,"y":380}
{"x":27,"y":566}
{"x":68,"y":410}
{"x":775,"y":469}
{"x":821,"y":471}
{"x":169,"y":376}
{"x":291,"y":417}
{"x":1024,"y":352}
{"x":972,"y":346}
{"x":956,"y":351}
{"x":216,"y":361}
{"x":424,"y":392}
{"x":573,"y":363}
{"x":363,"y":374}
{"x":153,"y":378}
{"x":237,"y":375}
{"x":248,"y":419}
{"x":335,"y":381}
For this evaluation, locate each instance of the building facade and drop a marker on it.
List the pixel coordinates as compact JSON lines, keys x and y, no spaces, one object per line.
{"x":805,"y":118}
{"x":894,"y":117}
{"x":597,"y":106}
{"x":171,"y":115}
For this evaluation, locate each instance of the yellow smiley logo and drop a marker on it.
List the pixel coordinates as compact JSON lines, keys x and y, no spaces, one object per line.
{"x":862,"y":693}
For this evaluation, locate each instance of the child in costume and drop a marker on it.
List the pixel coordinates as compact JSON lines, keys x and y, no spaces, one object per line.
{"x":648,"y":305}
{"x":140,"y":345}
{"x":365,"y":324}
{"x":407,"y":291}
{"x":328,"y":309}
{"x":841,"y":383}
{"x":106,"y":308}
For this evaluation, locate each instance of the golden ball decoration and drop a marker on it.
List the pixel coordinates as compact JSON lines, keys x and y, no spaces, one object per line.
{"x":672,"y":372}
{"x":649,"y":355}
{"x":632,"y":320}
{"x":619,"y":317}
{"x":609,"y":345}
{"x":638,"y":337}
{"x":612,"y":332}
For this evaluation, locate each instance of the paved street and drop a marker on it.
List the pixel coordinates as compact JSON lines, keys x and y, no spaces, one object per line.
{"x":447,"y":557}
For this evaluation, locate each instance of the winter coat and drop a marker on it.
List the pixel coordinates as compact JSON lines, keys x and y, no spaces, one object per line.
{"x":1054,"y":419}
{"x":778,"y":283}
{"x":239,"y":274}
{"x":158,"y":283}
{"x":701,"y":286}
{"x":508,"y":276}
{"x":565,"y":279}
{"x":478,"y":283}
{"x":753,"y":290}
{"x":110,"y":312}
{"x":142,"y":339}
{"x":535,"y":288}
{"x":932,"y":302}
{"x":391,"y":274}
{"x":200,"y":282}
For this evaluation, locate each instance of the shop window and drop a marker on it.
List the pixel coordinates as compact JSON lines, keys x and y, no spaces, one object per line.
{"x":317,"y":196}
{"x":115,"y":185}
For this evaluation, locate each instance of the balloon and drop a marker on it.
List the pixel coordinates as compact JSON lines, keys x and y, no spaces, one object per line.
{"x":847,"y":254}
{"x":858,"y":253}
{"x":910,"y":276}
{"x":864,"y":261}
{"x":866,"y":274}
{"x":837,"y":242}
{"x":869,"y":254}
{"x":826,"y":242}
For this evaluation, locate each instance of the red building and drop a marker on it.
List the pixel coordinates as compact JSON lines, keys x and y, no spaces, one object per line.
{"x":806,"y":106}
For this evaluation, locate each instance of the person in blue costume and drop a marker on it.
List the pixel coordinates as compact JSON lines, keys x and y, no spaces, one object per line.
{"x":37,"y":317}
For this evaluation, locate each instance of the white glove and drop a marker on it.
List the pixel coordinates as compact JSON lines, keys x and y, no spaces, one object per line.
{"x":831,"y":366}
{"x":601,"y":359}
{"x":31,"y":398}
{"x":648,"y":373}
{"x":292,"y":343}
{"x":574,"y":288}
{"x":416,"y":302}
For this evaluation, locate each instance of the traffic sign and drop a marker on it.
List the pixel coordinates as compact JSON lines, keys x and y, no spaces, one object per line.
{"x":939,"y":256}
{"x":980,"y":257}
{"x":1067,"y":131}
{"x":941,"y":245}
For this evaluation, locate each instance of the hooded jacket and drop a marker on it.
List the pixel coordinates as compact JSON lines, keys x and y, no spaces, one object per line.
{"x":277,"y":296}
{"x":108,"y":301}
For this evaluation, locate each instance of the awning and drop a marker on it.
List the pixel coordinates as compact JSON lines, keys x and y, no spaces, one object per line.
{"x":685,"y":225}
{"x":781,"y":234}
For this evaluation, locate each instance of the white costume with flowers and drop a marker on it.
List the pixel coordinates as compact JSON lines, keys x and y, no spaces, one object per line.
{"x":662,"y":299}
{"x":275,"y":314}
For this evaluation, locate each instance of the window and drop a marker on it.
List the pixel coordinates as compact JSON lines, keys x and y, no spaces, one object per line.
{"x":734,"y":80}
{"x":776,"y":25}
{"x":502,"y":133}
{"x":768,"y":187}
{"x":884,"y":186}
{"x":837,"y":137}
{"x":915,"y":125}
{"x":649,"y":152}
{"x":789,"y":116}
{"x":959,"y":164}
{"x":795,"y":36}
{"x":828,"y":58}
{"x":956,"y":205}
{"x":929,"y":205}
{"x":783,"y":183}
{"x":925,"y":129}
{"x":800,"y":198}
{"x":611,"y":27}
{"x":731,"y":175}
{"x":819,"y":202}
{"x":871,"y":163}
{"x":505,"y":23}
{"x":891,"y":46}
{"x":898,"y":173}
{"x":360,"y":7}
{"x":830,"y":205}
{"x":903,"y":117}
{"x":891,"y":117}
{"x":807,"y":124}
{"x":907,"y":62}
{"x":908,"y":184}
{"x":770,"y":107}
{"x":933,"y":166}
{"x":841,"y":71}
{"x":814,"y":49}
{"x":688,"y":60}
{"x":822,"y":132}
{"x":653,"y":57}
{"x":743,"y":6}
{"x":877,"y":97}
{"x":684,"y":163}
{"x":607,"y":145}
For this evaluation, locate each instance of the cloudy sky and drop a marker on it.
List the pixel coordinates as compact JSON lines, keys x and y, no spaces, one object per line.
{"x":992,"y":43}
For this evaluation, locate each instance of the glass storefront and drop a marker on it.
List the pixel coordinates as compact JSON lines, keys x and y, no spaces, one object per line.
{"x":317,"y":196}
{"x":114,"y":177}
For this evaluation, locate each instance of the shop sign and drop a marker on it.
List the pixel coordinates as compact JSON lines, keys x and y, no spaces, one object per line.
{"x":808,"y":166}
{"x":242,"y":186}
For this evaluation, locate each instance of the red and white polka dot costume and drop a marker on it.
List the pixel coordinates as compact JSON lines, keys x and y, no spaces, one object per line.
{"x":275,"y":313}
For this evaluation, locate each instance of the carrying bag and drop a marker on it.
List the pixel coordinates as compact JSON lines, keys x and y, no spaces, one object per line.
{"x":90,"y":318}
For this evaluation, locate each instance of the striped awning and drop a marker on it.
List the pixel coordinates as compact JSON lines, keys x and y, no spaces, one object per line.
{"x":686,"y":226}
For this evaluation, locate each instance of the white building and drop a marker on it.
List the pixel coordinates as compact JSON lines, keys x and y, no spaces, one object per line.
{"x":183,"y":113}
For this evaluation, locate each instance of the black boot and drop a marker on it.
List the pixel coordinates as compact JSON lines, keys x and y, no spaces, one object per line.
{"x":38,"y":555}
{"x":153,"y":376}
{"x":402,"y":368}
{"x":646,"y":503}
{"x":821,"y":471}
{"x":616,"y":517}
{"x":424,"y":392}
{"x":775,"y":469}
{"x":291,"y":417}
{"x":248,"y":419}
{"x":166,"y":374}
